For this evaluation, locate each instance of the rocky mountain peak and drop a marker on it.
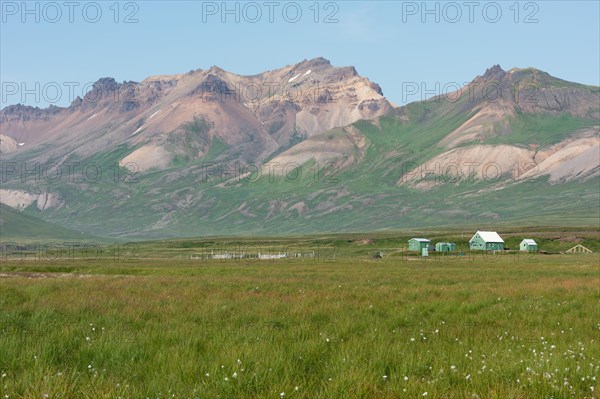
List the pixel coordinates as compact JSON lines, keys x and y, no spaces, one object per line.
{"x":21,"y":112}
{"x":17,"y":108}
{"x":317,"y":62}
{"x":215,"y":70}
{"x":495,"y":72}
{"x":107,"y":82}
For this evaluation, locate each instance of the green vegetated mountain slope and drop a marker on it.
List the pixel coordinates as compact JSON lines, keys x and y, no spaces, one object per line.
{"x":516,"y":147}
{"x":20,"y":227}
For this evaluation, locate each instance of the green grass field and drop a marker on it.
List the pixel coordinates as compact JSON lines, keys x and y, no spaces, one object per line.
{"x":341,"y":325}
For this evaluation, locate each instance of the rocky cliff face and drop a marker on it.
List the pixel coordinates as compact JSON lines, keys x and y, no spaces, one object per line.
{"x":257,"y":115}
{"x":533,"y":91}
{"x":498,"y":97}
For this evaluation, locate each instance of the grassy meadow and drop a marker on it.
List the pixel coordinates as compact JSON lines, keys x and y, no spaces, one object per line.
{"x":340,"y":325}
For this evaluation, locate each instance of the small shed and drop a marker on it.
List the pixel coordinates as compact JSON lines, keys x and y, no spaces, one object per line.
{"x":528,"y":245}
{"x":417,"y":244}
{"x":445,"y":247}
{"x":486,"y":241}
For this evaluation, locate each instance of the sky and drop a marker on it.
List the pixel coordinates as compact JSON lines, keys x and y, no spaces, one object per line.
{"x":50,"y":52}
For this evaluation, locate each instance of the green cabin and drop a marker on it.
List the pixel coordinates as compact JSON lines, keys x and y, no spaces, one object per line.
{"x":417,"y":244}
{"x":486,"y":241}
{"x":445,"y":247}
{"x":528,"y":245}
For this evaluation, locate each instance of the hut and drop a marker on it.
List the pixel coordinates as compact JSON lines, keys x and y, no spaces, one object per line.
{"x":417,"y":244}
{"x":486,"y":241}
{"x":445,"y":247}
{"x":528,"y":245}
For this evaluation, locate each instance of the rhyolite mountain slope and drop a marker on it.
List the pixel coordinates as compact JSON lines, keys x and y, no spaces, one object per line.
{"x":511,"y":147}
{"x":172,"y":118}
{"x":521,"y":123}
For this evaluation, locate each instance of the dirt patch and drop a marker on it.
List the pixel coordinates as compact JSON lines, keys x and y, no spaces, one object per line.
{"x":569,"y":160}
{"x":481,"y":125}
{"x":148,"y":157}
{"x":7,"y":144}
{"x":20,"y":199}
{"x":464,"y":163}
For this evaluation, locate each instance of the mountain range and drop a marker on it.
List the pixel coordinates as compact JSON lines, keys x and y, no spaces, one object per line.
{"x":305,"y":148}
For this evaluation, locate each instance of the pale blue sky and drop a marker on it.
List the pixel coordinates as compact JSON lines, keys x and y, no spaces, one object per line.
{"x":386,"y":41}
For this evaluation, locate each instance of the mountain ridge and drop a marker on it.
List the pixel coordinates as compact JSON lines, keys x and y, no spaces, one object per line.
{"x":237,"y":107}
{"x":208,"y":162}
